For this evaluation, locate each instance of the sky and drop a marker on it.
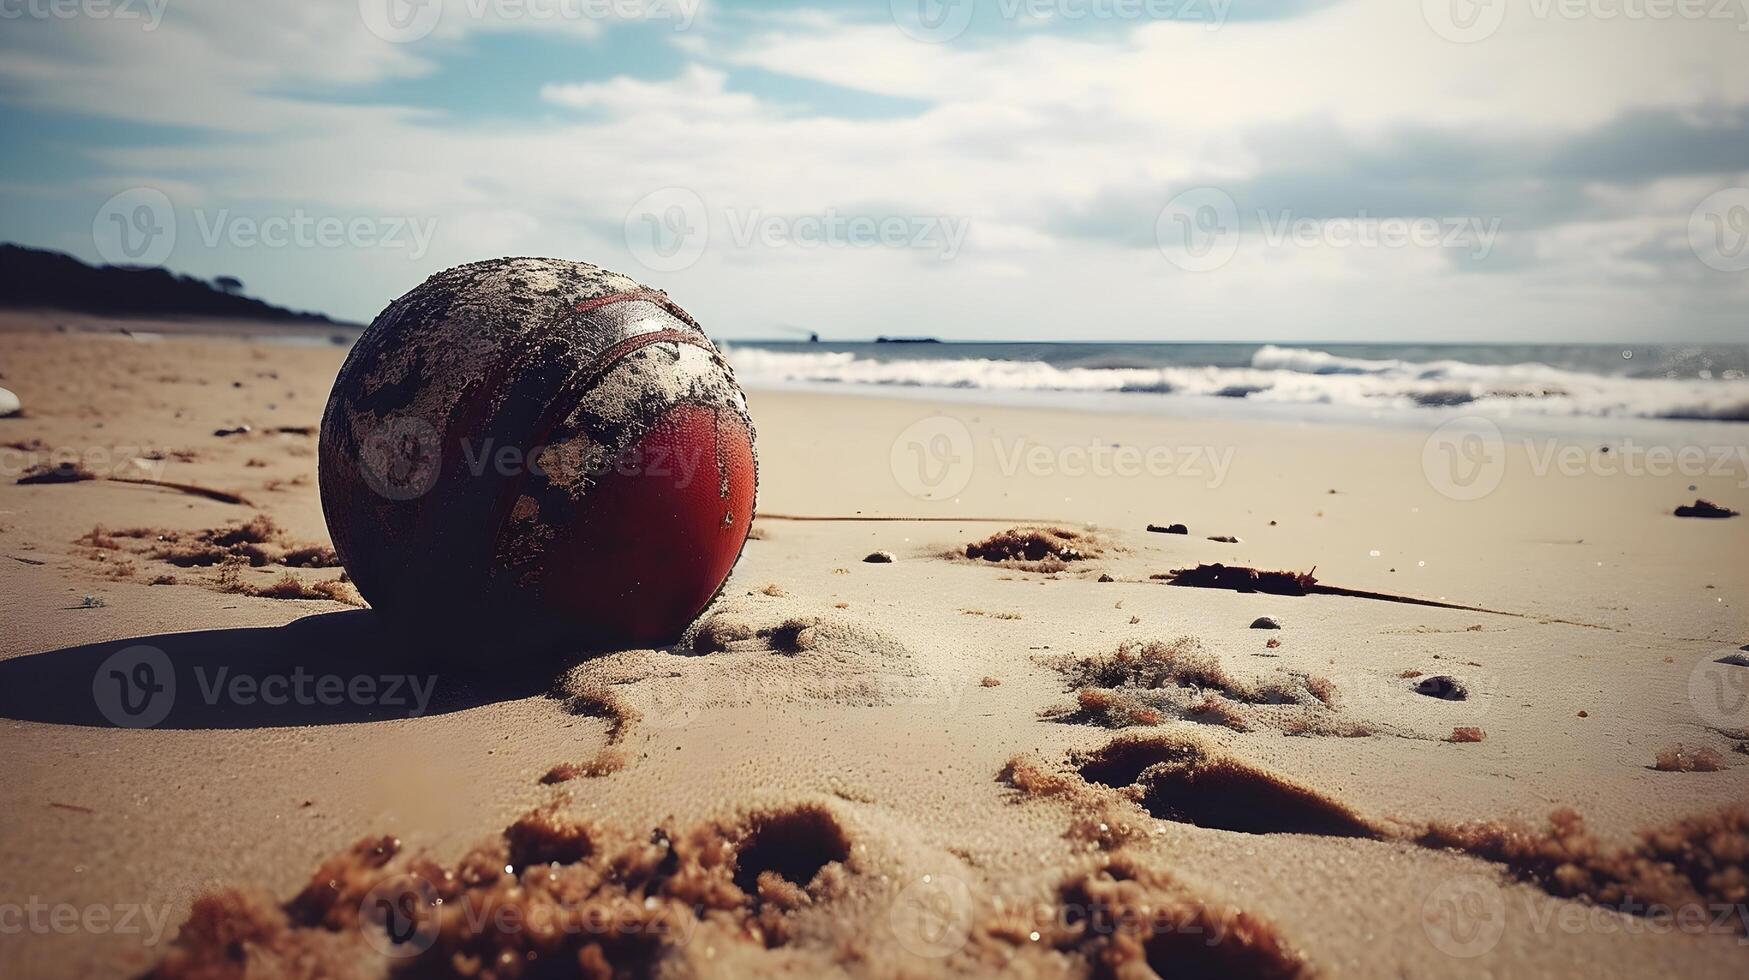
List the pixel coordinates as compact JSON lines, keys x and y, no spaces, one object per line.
{"x":1457,"y":171}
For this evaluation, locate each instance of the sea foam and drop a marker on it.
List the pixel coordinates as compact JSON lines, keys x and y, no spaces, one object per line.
{"x":1288,"y":376}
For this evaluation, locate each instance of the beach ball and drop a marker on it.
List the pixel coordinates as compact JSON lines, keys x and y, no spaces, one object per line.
{"x":538,"y":449}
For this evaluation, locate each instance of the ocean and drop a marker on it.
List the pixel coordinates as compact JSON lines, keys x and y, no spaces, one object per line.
{"x":1542,"y":386}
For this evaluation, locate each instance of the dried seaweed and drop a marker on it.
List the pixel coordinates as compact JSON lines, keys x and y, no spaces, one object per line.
{"x":1240,"y":578}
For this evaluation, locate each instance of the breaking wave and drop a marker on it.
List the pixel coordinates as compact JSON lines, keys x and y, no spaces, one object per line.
{"x":1286,"y":375}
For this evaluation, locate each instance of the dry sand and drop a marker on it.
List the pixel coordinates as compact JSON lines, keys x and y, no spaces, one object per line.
{"x":892,"y":707}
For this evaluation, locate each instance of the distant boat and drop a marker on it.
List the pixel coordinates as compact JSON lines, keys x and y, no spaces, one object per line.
{"x":907,"y":340}
{"x":813,"y":335}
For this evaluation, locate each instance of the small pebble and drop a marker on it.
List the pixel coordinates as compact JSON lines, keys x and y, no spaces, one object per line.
{"x":1265,"y":623}
{"x":879,"y":558}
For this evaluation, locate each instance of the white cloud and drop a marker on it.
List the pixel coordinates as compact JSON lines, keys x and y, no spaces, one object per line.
{"x":697,"y":92}
{"x":1017,"y":132}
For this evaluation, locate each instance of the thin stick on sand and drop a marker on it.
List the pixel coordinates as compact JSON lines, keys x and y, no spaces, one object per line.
{"x":1239,"y":578}
{"x":222,"y":496}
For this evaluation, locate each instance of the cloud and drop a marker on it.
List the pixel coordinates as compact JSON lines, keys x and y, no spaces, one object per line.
{"x":698,"y":92}
{"x":1055,"y":149}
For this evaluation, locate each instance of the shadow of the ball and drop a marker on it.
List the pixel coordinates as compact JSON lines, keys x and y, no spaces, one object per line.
{"x":630,"y":562}
{"x":324,"y":669}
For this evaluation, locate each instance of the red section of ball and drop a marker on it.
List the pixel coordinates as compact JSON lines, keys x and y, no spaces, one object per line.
{"x":654,"y":539}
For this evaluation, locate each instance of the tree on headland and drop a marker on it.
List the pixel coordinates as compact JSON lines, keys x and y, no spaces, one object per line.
{"x":229,"y":284}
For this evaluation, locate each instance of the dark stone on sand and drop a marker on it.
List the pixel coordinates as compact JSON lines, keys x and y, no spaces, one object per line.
{"x":1734,"y":659}
{"x":879,"y":558}
{"x":1224,"y":538}
{"x":1443,"y":687}
{"x":1704,"y":508}
{"x":64,"y":472}
{"x":240,"y":430}
{"x":1265,"y":623}
{"x":1103,"y":577}
{"x":1169,"y":529}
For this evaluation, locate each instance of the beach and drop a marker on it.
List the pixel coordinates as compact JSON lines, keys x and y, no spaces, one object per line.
{"x":928,"y":718}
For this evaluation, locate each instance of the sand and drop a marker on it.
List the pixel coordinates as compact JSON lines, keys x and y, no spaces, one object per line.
{"x":900,"y":699}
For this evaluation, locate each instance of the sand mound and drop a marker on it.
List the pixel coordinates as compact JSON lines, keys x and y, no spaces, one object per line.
{"x":1683,"y":758}
{"x":1700,"y":861}
{"x":1097,"y":815}
{"x":596,"y":700}
{"x":255,"y":543}
{"x":761,"y":653}
{"x":1105,"y":708}
{"x":554,"y":897}
{"x":1127,"y":920}
{"x":1182,"y":779}
{"x":603,"y":763}
{"x":287,"y":586}
{"x":1147,"y":683}
{"x":1185,"y":662}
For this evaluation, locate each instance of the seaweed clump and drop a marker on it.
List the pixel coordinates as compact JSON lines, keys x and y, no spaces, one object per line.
{"x":1044,"y":548}
{"x":1238,"y":578}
